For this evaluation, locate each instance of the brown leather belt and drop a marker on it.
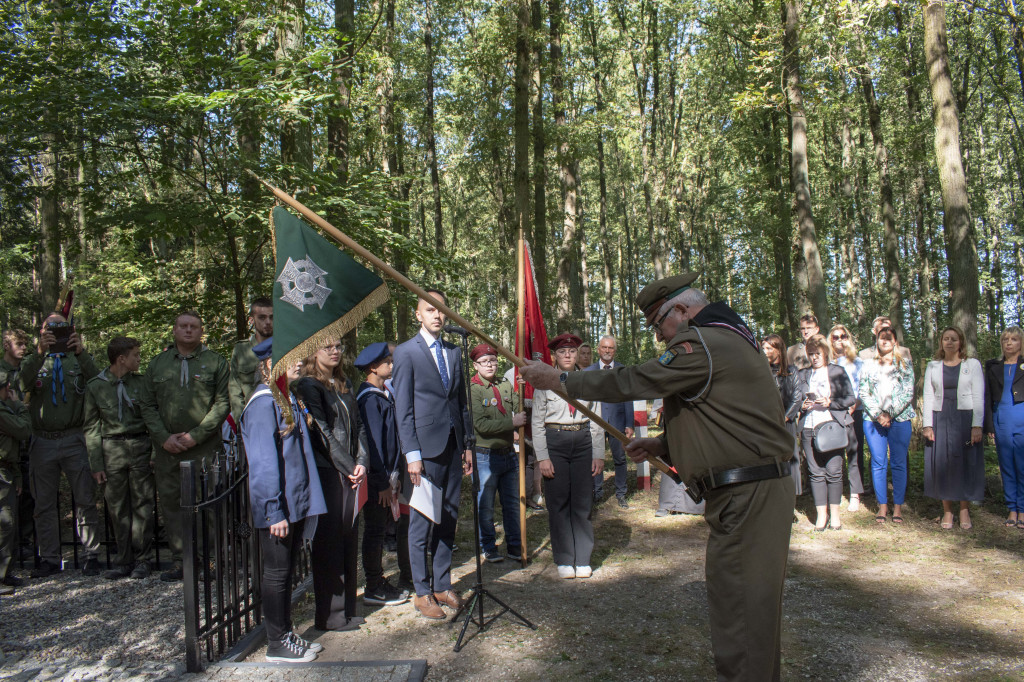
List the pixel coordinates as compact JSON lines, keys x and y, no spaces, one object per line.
{"x":569,"y":427}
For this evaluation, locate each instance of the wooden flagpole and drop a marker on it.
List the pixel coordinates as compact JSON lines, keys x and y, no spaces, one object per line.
{"x":521,"y":343}
{"x":347,"y":241}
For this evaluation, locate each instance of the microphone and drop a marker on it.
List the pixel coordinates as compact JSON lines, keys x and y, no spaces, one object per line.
{"x":455,"y":329}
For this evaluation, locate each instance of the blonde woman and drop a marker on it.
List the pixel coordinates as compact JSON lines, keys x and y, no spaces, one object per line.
{"x":844,"y":354}
{"x":1004,"y":417}
{"x":953,"y":412}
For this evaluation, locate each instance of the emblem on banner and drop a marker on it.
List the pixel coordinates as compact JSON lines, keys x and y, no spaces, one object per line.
{"x":304,"y":283}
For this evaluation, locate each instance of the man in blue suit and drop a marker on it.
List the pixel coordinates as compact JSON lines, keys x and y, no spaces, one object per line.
{"x":619,"y":415}
{"x":434,"y":430}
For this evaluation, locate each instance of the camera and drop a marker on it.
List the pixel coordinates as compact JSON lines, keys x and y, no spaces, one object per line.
{"x":62,"y":334}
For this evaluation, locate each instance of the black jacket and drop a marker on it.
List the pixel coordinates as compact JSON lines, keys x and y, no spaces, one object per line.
{"x":339,"y":439}
{"x":787,"y":389}
{"x":841,"y":400}
{"x":994,"y":388}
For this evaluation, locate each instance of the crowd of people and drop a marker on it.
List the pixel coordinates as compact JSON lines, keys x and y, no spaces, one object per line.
{"x":838,"y":400}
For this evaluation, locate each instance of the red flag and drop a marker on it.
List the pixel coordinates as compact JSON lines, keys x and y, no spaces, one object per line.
{"x":535,"y":336}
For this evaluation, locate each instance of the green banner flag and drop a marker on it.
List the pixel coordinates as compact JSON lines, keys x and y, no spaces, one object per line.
{"x":320,"y":293}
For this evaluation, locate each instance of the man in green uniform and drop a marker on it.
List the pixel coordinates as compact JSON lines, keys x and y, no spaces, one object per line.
{"x":726,"y":437}
{"x":120,"y":455}
{"x":184,"y":404}
{"x":14,"y":428}
{"x":15,"y":348}
{"x":495,"y":420}
{"x":54,"y":380}
{"x":243,"y":361}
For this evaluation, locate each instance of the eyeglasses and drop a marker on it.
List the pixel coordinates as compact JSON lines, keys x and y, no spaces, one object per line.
{"x":656,"y":325}
{"x":487,"y":362}
{"x":336,"y":347}
{"x":838,"y":337}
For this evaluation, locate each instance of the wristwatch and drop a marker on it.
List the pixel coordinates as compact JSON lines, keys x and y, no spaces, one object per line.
{"x":561,"y":380}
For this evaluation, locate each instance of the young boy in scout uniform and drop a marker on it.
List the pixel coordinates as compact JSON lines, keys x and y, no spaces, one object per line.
{"x":243,"y":360}
{"x":184,"y":404}
{"x":725,"y":434}
{"x":14,"y":428}
{"x":54,"y":383}
{"x":495,"y":421}
{"x":120,"y":455}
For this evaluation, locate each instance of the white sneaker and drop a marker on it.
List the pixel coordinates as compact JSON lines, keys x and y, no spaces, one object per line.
{"x":854,"y":503}
{"x":584,"y":571}
{"x":566,"y":572}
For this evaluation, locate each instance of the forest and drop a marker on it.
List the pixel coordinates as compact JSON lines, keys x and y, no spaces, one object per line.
{"x":846,"y":158}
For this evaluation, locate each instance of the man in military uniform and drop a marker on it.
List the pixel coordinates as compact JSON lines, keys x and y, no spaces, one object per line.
{"x":243,"y":361}
{"x":120,"y":455}
{"x":54,"y":381}
{"x":495,"y":420}
{"x":14,"y":429}
{"x":726,"y":437}
{"x":185,"y":402}
{"x":15,"y":348}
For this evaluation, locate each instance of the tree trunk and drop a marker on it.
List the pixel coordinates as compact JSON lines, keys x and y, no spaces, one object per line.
{"x":429,"y":132}
{"x":296,"y":134}
{"x":852,"y":267}
{"x":522,"y":119}
{"x":960,"y":248}
{"x":540,"y":190}
{"x":799,"y":180}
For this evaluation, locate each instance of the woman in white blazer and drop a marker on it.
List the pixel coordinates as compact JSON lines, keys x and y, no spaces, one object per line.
{"x":954,"y":411}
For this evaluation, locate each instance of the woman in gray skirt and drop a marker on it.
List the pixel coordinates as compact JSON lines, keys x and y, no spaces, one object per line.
{"x":954,"y":410}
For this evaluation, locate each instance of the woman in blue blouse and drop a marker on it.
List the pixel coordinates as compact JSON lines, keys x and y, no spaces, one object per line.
{"x":1004,"y":417}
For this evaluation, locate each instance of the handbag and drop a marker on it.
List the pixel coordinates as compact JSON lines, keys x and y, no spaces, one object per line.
{"x":829,"y":436}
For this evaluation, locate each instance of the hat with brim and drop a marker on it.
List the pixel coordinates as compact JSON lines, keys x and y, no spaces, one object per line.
{"x":659,"y":292}
{"x":565,"y":340}
{"x":375,"y":352}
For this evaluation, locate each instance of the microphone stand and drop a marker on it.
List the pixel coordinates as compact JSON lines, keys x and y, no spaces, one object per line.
{"x":476,"y":600}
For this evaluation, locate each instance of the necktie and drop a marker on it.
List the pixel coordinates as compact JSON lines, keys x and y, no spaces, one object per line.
{"x":57,"y":378}
{"x":442,"y":366}
{"x":607,"y":367}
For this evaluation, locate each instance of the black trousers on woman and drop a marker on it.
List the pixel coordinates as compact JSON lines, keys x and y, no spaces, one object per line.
{"x":569,"y":496}
{"x":335,"y":554}
{"x":825,"y":469}
{"x":276,"y":583}
{"x":375,"y":518}
{"x":855,"y":455}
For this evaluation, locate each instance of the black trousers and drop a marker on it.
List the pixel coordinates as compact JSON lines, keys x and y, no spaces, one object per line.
{"x":569,"y":496}
{"x":855,"y":455}
{"x":276,"y":584}
{"x":825,"y":469}
{"x":335,"y":554}
{"x":375,"y":519}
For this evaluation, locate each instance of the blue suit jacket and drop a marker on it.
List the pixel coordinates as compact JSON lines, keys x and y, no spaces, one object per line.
{"x":619,"y":415}
{"x":425,"y":411}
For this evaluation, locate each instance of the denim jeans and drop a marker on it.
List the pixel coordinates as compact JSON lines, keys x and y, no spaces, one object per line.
{"x":888,"y":445}
{"x":499,"y":474}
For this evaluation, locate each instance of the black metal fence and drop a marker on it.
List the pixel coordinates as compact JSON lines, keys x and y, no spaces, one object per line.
{"x":221,"y":558}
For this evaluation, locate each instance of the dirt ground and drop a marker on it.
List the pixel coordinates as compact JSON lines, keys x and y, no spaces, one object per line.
{"x":868,"y":602}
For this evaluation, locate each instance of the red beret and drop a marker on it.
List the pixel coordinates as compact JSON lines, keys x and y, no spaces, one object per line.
{"x":565,"y":340}
{"x":480,"y":351}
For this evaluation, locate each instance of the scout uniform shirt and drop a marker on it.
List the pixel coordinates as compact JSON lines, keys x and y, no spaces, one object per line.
{"x":107,"y":414}
{"x":243,"y":375}
{"x":493,"y":405}
{"x":12,"y":375}
{"x":14,"y":428}
{"x":186,"y":394}
{"x":56,"y":392}
{"x":736,"y":422}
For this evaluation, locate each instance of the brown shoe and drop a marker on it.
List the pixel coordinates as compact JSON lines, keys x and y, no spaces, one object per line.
{"x":450,"y":598}
{"x":428,"y":607}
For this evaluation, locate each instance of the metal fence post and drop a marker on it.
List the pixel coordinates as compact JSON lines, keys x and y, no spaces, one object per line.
{"x":193,"y":654}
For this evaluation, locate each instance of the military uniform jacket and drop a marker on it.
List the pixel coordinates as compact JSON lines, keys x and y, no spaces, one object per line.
{"x":377,"y":411}
{"x":736,"y":422}
{"x":101,"y":412}
{"x":189,"y":396}
{"x":13,"y":371}
{"x":242,"y":381}
{"x":58,"y":411}
{"x":493,"y":429}
{"x":14,"y":428}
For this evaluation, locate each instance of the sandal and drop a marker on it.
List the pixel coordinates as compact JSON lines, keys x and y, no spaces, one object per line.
{"x":897,"y":519}
{"x":880,"y":519}
{"x":947,"y":525}
{"x":1020,"y":524}
{"x":1010,"y":523}
{"x":968,"y":525}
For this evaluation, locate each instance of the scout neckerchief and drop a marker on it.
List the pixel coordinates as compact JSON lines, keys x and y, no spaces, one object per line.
{"x":184,"y":361}
{"x":122,"y":394}
{"x":57,"y":377}
{"x":494,"y":387}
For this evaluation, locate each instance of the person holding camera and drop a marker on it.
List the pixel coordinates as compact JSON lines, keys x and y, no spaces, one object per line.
{"x":825,"y":422}
{"x":120,"y":454}
{"x":54,"y":380}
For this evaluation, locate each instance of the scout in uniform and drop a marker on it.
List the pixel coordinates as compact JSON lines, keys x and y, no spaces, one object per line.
{"x":726,"y":436}
{"x":119,"y":455}
{"x":14,"y":428}
{"x":184,"y":404}
{"x":495,"y":421}
{"x":15,"y":349}
{"x":54,"y":383}
{"x":243,"y":361}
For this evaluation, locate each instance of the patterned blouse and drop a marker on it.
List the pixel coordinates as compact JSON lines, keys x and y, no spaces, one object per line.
{"x":887,"y":388}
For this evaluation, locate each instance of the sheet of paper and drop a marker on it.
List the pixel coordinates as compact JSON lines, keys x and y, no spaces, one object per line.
{"x":426,"y":499}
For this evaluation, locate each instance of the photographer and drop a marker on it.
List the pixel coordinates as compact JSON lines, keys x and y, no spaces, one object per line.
{"x":54,"y":381}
